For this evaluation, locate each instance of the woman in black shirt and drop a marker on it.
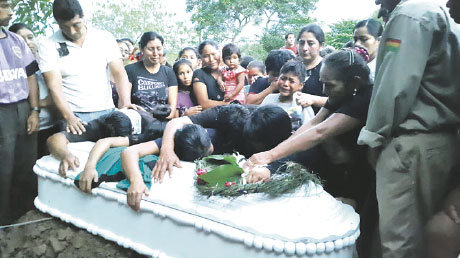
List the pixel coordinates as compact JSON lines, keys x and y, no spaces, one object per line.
{"x":310,"y":41}
{"x":152,"y":83}
{"x":206,"y":91}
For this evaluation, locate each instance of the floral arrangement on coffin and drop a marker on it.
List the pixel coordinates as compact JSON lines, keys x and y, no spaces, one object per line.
{"x":223,"y":175}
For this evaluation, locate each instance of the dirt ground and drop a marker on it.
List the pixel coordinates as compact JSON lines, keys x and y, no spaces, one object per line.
{"x":54,"y":238}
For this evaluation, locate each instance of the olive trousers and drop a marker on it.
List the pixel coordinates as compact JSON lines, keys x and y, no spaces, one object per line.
{"x":412,"y":173}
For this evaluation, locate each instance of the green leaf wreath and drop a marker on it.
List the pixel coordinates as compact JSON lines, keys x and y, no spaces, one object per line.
{"x":223,"y":175}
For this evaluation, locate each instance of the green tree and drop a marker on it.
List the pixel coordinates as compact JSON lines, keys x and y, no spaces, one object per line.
{"x":225,"y":19}
{"x":340,"y":33}
{"x":34,"y":13}
{"x":131,"y":18}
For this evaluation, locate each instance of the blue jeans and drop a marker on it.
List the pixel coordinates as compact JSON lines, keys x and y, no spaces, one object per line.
{"x":89,"y":116}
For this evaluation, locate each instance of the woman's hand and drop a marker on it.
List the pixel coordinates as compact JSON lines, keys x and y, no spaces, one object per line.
{"x":262,"y":158}
{"x":305,"y":100}
{"x":193,"y":110}
{"x":258,"y":174}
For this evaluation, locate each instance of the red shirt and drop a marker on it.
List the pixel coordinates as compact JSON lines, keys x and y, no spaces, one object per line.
{"x":293,"y":48}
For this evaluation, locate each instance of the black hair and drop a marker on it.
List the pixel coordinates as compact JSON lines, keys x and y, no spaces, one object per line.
{"x":127,"y":40}
{"x":287,"y":35}
{"x":296,"y":68}
{"x":349,"y":44}
{"x":276,"y":59}
{"x":347,"y":64}
{"x":233,"y":118}
{"x":374,"y":27}
{"x":116,"y":124}
{"x":18,"y":26}
{"x":315,"y":30}
{"x":160,"y":111}
{"x":181,"y":52}
{"x":268,"y":125}
{"x":326,"y":50}
{"x":245,"y":60}
{"x":204,"y":43}
{"x":230,"y":49}
{"x":149,"y":36}
{"x":257,"y":64}
{"x":66,"y":10}
{"x":179,"y":63}
{"x":122,"y":41}
{"x":191,"y":142}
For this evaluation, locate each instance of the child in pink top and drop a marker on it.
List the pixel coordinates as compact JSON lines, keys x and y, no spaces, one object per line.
{"x":233,"y":75}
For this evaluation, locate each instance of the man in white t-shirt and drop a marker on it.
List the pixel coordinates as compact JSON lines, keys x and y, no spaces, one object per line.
{"x":76,"y":62}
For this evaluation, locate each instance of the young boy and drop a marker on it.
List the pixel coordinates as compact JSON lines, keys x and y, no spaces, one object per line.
{"x":292,"y":76}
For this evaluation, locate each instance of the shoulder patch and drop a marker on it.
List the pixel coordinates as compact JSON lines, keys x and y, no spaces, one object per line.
{"x":392,"y":45}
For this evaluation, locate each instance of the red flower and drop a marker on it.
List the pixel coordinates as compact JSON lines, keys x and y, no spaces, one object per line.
{"x":228,"y":184}
{"x":201,"y":171}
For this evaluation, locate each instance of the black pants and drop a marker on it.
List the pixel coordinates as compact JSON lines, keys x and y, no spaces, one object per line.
{"x":18,"y":153}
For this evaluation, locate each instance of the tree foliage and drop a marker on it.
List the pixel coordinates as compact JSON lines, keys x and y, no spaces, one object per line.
{"x":225,"y":19}
{"x":34,"y":13}
{"x":131,"y":18}
{"x":340,"y":33}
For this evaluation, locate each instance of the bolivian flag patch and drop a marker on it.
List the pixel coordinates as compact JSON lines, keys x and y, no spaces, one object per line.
{"x":392,"y":45}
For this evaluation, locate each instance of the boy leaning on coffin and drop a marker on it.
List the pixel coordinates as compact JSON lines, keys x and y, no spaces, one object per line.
{"x":18,"y":112}
{"x":75,"y":62}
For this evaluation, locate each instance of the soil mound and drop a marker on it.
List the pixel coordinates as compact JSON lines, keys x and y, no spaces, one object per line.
{"x":54,"y":238}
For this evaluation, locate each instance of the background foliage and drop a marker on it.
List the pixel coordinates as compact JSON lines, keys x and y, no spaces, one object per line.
{"x":220,"y":20}
{"x":340,"y":33}
{"x":131,"y":18}
{"x":34,"y":13}
{"x":225,"y":20}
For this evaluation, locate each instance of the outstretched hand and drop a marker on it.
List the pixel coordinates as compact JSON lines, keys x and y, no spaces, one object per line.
{"x":262,"y":158}
{"x":166,"y":162}
{"x":86,"y":179}
{"x":75,"y":126}
{"x":258,"y":174}
{"x":134,"y":194}
{"x":69,"y":162}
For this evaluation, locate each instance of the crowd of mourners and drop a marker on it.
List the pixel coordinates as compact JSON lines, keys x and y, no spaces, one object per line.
{"x":377,"y":120}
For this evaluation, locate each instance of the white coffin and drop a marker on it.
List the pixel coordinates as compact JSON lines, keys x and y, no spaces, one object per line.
{"x":176,"y":221}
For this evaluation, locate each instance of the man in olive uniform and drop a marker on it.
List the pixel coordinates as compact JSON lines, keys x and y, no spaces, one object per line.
{"x":412,"y":119}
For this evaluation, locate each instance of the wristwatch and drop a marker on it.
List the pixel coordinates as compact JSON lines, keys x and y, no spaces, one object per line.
{"x":35,"y":109}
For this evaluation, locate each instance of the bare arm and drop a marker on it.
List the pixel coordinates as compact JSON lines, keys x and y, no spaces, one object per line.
{"x":53,"y":80}
{"x":306,"y":100}
{"x":130,"y":163}
{"x":33,"y":122}
{"x":101,"y":146}
{"x":239,"y":85}
{"x":57,"y":145}
{"x":320,"y":117}
{"x":168,"y":157}
{"x":256,"y":99}
{"x":335,"y":125}
{"x":202,"y":97}
{"x":120,"y":78}
{"x":172,"y":100}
